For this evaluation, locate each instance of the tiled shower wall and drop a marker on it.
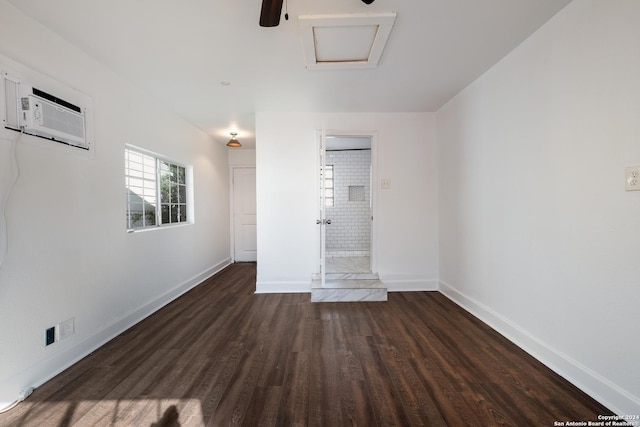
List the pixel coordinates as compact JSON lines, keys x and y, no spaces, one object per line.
{"x":350,"y":228}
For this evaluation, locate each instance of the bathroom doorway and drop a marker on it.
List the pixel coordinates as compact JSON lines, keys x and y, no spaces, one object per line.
{"x":348,"y":204}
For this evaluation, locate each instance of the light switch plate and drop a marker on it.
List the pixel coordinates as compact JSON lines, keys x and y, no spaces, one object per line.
{"x":632,"y":178}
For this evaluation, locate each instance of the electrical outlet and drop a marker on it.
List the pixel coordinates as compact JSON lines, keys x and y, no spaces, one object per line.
{"x":385,"y":183}
{"x":49,"y":335}
{"x":66,"y":328}
{"x":632,"y":178}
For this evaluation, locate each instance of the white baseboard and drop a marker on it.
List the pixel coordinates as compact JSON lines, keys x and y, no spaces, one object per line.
{"x":601,"y":389}
{"x":44,"y":370}
{"x":410,"y":285}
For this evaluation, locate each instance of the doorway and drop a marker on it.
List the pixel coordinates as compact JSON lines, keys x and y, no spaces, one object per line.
{"x":348,"y":204}
{"x":244,"y":214}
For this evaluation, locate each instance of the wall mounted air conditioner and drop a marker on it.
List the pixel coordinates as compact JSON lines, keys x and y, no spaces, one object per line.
{"x":36,"y":112}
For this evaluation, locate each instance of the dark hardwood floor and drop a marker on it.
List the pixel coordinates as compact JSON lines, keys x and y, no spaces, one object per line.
{"x":222,"y":355}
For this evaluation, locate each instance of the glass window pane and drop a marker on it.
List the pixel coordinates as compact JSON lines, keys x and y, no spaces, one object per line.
{"x":165,"y":214}
{"x":136,"y":220}
{"x":174,"y":193}
{"x":182,"y":194}
{"x":136,"y":183}
{"x":174,"y":213}
{"x":183,"y":213}
{"x":136,"y":173}
{"x":135,"y":205}
{"x":150,"y":216}
{"x":174,"y":173}
{"x":165,"y":167}
{"x":140,"y":181}
{"x":149,"y":192}
{"x":165,"y":189}
{"x":135,"y":213}
{"x":181,"y":175}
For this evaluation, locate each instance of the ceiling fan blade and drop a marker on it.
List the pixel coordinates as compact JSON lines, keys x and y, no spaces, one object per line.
{"x":270,"y":13}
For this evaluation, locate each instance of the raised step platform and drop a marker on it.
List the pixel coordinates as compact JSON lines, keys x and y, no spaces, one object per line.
{"x":346,"y":276}
{"x":348,"y":290}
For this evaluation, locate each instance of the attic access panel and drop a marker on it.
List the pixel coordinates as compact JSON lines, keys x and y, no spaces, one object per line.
{"x":344,"y":41}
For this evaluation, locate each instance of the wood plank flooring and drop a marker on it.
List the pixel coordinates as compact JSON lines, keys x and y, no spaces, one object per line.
{"x":222,"y":355}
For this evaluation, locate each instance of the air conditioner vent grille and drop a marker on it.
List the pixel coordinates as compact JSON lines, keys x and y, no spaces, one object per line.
{"x":61,"y":121}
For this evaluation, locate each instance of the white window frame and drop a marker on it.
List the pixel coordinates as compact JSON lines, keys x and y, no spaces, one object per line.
{"x":150,"y":184}
{"x":329,"y":201}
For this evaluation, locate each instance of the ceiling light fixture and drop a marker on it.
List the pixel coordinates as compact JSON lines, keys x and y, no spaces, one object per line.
{"x":233,"y":142}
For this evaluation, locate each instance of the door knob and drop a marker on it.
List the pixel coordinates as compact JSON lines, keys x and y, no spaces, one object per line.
{"x":328,"y":221}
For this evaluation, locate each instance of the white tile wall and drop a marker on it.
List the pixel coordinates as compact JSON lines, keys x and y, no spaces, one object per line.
{"x":345,"y":253}
{"x":350,"y":228}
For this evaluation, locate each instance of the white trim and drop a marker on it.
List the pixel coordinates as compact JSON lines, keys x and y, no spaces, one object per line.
{"x":601,"y":389}
{"x":373,"y":137}
{"x":373,"y":185}
{"x":382,"y":21}
{"x":322,"y":205}
{"x":232,"y":233}
{"x":38,"y":374}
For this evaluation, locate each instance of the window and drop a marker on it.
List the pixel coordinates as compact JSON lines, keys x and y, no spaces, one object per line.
{"x":173,"y":193}
{"x":328,"y":186}
{"x":156,"y":190}
{"x":140,"y":173}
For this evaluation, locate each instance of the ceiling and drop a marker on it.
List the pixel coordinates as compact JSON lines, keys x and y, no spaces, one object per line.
{"x":181,"y":52}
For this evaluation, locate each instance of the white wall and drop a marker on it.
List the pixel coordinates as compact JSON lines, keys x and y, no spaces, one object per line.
{"x":287,"y":187}
{"x":537,"y":235}
{"x":69,"y":254}
{"x":242,"y":157}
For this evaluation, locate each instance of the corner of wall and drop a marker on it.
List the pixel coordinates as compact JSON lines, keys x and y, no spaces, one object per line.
{"x":12,"y":389}
{"x":599,"y":388}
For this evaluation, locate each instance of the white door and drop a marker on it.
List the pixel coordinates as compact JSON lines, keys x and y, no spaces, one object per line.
{"x":323,"y":221}
{"x":244,"y":214}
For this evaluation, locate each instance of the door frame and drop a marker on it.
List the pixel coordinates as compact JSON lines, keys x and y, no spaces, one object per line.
{"x":232,"y":228}
{"x":373,"y":136}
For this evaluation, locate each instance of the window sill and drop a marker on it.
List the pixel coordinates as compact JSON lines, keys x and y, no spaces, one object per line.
{"x":159,"y":227}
